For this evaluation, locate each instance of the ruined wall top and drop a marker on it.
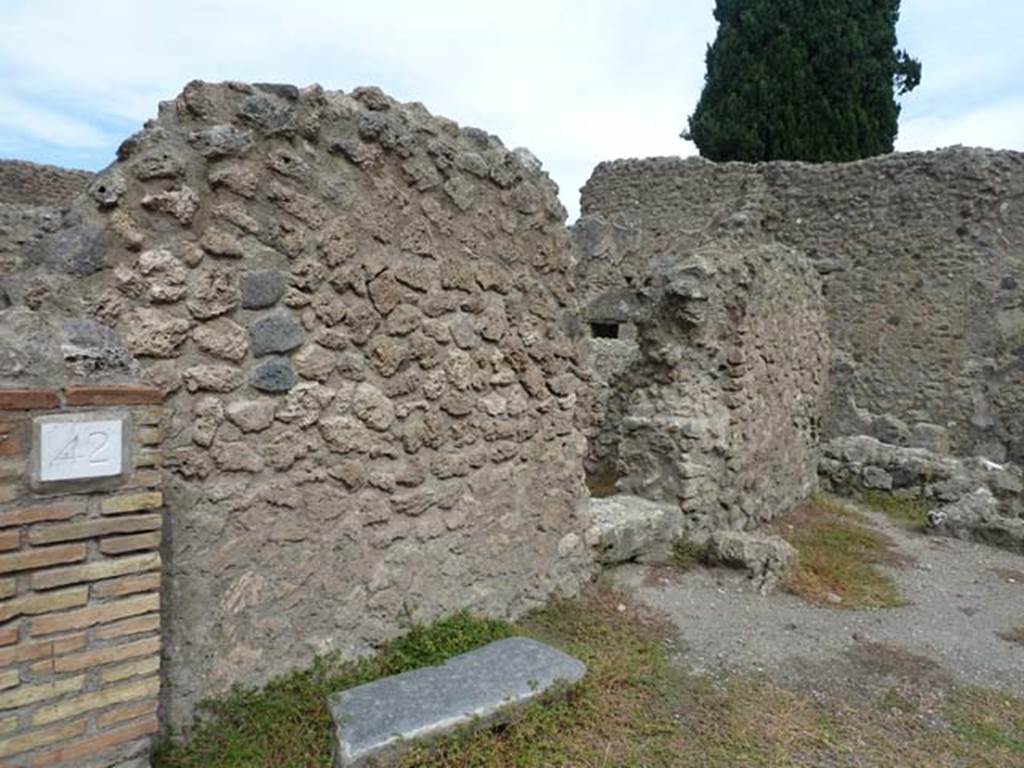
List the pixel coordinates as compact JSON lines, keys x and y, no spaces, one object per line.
{"x":59,"y":264}
{"x":30,"y":184}
{"x":921,"y":254}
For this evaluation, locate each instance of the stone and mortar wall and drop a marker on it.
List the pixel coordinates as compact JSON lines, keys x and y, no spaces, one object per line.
{"x":363,"y":317}
{"x":32,"y":198}
{"x":80,"y":576}
{"x":721,"y":414}
{"x":922,"y":256}
{"x":34,"y":184}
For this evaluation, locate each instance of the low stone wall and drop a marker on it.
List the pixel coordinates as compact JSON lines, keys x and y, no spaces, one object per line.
{"x":966,"y":497}
{"x":80,"y":577}
{"x":722,"y":412}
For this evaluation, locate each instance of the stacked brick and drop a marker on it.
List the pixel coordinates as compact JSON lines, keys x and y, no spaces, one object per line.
{"x":80,"y":578}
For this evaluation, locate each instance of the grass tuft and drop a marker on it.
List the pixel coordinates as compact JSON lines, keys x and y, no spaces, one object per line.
{"x":989,"y":720}
{"x":839,"y":557}
{"x":911,"y":513}
{"x":635,"y":708}
{"x":615,"y":716}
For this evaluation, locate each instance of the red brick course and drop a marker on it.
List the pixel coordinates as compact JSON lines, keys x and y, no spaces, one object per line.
{"x":113,"y":395}
{"x":29,"y":399}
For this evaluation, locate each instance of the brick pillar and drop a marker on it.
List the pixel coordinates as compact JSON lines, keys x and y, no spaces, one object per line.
{"x":79,"y":585}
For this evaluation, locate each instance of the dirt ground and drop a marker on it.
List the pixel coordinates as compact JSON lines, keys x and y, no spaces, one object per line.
{"x":963,"y":602}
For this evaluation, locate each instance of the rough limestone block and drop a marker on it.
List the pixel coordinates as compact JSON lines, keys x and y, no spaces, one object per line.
{"x":766,"y":558}
{"x":631,"y":528}
{"x":977,"y":517}
{"x":375,"y":722}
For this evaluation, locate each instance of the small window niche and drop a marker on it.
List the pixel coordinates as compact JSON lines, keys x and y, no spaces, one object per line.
{"x":604,"y":330}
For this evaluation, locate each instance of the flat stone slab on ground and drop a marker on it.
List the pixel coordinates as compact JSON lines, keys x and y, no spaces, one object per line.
{"x":376,"y":721}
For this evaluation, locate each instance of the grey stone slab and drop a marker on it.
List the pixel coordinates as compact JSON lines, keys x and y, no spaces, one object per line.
{"x":375,"y":722}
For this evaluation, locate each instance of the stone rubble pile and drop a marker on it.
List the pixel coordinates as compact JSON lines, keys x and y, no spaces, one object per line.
{"x":968,"y":497}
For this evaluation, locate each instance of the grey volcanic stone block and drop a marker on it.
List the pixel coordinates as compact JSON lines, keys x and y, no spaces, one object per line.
{"x":274,"y":376}
{"x":631,"y":528}
{"x":375,"y":722}
{"x":219,"y":141}
{"x":262,"y":288}
{"x":278,"y":332}
{"x":977,"y":517}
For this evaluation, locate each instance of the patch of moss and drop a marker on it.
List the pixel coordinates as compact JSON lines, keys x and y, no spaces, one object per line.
{"x":688,"y":554}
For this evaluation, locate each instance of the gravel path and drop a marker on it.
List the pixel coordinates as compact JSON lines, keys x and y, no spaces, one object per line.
{"x":960,"y":595}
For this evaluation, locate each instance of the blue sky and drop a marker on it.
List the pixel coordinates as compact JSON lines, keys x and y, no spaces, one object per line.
{"x":575,"y":81}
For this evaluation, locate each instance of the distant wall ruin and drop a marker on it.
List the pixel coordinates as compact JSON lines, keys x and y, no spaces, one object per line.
{"x":364,"y":319}
{"x":33,"y":185}
{"x":32,"y":199}
{"x":922,"y":256}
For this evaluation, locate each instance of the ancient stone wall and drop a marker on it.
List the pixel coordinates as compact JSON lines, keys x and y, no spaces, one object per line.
{"x":922,"y":257}
{"x":80,"y":577}
{"x":32,"y":198}
{"x":363,"y":317}
{"x":32,"y":184}
{"x":721,"y":412}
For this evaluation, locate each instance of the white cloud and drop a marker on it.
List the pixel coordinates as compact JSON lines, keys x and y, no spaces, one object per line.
{"x":31,"y":120}
{"x":576,"y":81}
{"x":1000,"y":126}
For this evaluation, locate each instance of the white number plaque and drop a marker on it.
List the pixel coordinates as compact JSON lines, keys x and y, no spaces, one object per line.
{"x":77,"y":450}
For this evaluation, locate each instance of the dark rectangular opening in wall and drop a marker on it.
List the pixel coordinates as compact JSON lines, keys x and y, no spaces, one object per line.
{"x":604,"y":330}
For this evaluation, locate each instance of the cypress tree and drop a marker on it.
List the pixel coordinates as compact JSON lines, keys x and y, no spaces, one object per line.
{"x":809,"y":80}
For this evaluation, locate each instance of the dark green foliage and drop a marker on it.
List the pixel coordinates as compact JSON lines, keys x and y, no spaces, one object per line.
{"x":802,"y":80}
